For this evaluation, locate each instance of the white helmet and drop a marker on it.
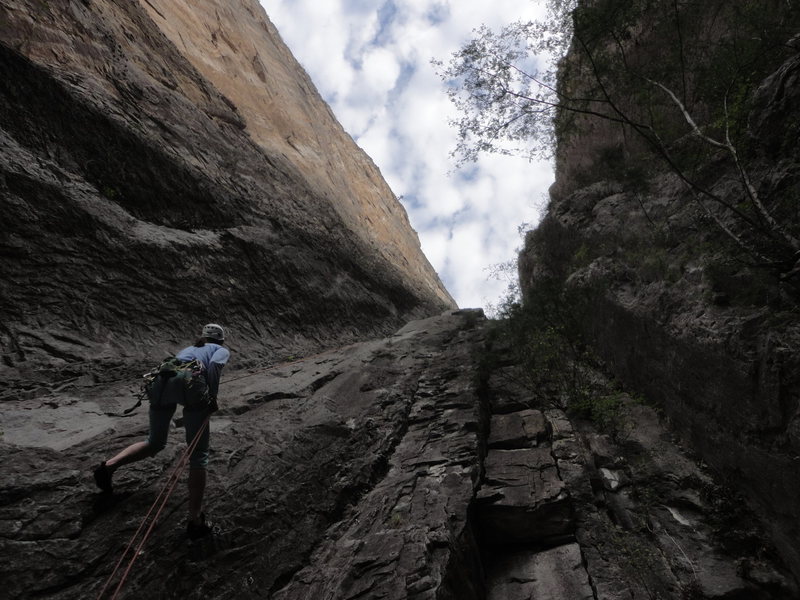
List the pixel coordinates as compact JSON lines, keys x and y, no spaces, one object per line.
{"x":213,"y":331}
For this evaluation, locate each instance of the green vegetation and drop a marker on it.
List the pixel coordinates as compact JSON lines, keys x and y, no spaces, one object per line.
{"x":544,"y":337}
{"x":395,"y":520}
{"x":110,"y":192}
{"x":607,"y":411}
{"x":674,"y":83}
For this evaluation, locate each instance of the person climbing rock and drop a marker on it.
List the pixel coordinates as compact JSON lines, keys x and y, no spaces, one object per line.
{"x":208,"y":356}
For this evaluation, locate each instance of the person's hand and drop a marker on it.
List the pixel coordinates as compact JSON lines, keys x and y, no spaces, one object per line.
{"x":212,"y":405}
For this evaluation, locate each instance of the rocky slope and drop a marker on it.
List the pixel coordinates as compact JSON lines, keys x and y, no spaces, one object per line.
{"x":675,"y":310}
{"x":352,"y":459}
{"x":145,"y":191}
{"x":158,"y":170}
{"x":410,"y":467}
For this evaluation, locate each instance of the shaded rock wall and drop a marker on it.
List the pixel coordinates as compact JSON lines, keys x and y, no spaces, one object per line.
{"x":567,"y":512}
{"x":139,"y":201}
{"x":349,"y":473}
{"x":409,"y":467}
{"x":674,"y":316}
{"x":737,"y":411}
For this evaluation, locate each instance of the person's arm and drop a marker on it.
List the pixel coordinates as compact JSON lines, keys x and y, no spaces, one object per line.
{"x":218,"y":360}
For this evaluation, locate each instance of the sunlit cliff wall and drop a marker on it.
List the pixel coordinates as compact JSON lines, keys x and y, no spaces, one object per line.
{"x":165,"y":164}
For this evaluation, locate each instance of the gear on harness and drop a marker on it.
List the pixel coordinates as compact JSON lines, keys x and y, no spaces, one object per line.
{"x":177,"y":382}
{"x":173,"y":381}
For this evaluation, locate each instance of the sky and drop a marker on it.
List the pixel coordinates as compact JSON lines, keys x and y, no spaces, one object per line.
{"x":371,"y":62}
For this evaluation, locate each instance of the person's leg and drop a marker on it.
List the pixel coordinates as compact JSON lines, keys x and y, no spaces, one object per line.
{"x":197,"y":487}
{"x":159,"y":428}
{"x":160,"y":419}
{"x":132,"y":453}
{"x":193,"y":420}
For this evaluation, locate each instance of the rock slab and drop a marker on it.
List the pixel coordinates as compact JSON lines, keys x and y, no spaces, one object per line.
{"x":555,"y":574}
{"x":351,"y":472}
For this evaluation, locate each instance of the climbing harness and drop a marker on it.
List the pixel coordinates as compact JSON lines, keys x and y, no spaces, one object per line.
{"x":141,"y":395}
{"x":168,"y":487}
{"x":180,"y":381}
{"x":176,"y":381}
{"x":160,"y":502}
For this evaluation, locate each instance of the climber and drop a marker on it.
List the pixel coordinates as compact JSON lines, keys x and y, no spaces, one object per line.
{"x":212,"y":355}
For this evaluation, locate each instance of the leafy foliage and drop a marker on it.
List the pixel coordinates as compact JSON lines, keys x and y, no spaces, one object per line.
{"x":504,"y":85}
{"x":679,"y":76}
{"x":555,"y":365}
{"x":509,"y":85}
{"x":607,"y":411}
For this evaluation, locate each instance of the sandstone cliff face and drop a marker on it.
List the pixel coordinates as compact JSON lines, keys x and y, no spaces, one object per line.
{"x":709,"y":339}
{"x":145,"y":191}
{"x":237,"y":48}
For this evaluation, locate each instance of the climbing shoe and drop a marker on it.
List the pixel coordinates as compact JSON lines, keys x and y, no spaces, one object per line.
{"x":102,"y":477}
{"x":195,"y":531}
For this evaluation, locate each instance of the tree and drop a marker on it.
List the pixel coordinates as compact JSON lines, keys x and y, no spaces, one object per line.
{"x":679,"y":76}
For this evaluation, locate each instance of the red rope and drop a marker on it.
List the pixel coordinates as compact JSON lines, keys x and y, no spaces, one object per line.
{"x":169,"y":486}
{"x":165,"y":492}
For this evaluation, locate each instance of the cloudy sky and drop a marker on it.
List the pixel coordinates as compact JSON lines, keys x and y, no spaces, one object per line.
{"x":370,"y":60}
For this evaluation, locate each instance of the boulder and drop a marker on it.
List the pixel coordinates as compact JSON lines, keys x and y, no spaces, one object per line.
{"x":522,"y":429}
{"x":555,"y":574}
{"x":523,"y":499}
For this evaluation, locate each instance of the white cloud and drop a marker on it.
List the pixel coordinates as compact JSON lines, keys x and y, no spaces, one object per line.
{"x":371,"y":62}
{"x":381,"y":69}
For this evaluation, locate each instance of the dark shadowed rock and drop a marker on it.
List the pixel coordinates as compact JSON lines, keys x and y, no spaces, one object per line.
{"x":350,"y":471}
{"x":554,"y":574}
{"x":400,"y":539}
{"x":509,"y":392}
{"x":361,"y":472}
{"x":523,"y":499}
{"x":679,"y":313}
{"x":604,"y":454}
{"x":561,"y":427}
{"x":585,"y":516}
{"x":522,"y":429}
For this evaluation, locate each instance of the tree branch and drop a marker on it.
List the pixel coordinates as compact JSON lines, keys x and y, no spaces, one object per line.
{"x":752,"y":193}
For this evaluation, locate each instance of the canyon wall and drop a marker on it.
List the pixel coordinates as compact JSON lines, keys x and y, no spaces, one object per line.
{"x":414,"y":467}
{"x":167,"y":164}
{"x":678,"y":311}
{"x":163,"y":164}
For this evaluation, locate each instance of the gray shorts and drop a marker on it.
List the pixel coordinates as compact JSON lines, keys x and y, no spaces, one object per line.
{"x":160,"y":419}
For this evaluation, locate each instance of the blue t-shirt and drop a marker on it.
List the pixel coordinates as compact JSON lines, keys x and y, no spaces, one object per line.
{"x":213,"y":357}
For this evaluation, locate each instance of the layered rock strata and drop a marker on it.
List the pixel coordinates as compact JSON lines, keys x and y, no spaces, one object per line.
{"x":346,"y":474}
{"x":236,"y":47}
{"x":367,"y":472}
{"x":672,"y":307}
{"x":145,"y":192}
